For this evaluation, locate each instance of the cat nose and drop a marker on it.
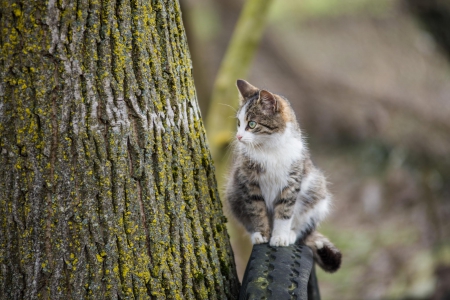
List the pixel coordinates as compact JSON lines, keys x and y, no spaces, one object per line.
{"x":239,"y":137}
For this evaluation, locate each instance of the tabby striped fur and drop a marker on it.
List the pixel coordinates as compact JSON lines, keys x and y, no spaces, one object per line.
{"x":274,"y":190}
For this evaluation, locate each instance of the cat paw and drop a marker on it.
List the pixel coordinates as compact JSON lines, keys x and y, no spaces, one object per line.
{"x":258,"y":238}
{"x":292,"y":237}
{"x":280,"y":240}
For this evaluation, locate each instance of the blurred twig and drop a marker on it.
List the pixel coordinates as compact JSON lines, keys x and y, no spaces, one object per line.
{"x":219,"y":126}
{"x":235,"y":64}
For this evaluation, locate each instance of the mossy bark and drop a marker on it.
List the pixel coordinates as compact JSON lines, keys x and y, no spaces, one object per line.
{"x":107,"y":189}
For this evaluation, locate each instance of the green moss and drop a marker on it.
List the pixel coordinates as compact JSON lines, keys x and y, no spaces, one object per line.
{"x":117,"y":231}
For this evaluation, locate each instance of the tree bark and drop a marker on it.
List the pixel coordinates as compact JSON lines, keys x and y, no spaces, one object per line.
{"x":107,"y":189}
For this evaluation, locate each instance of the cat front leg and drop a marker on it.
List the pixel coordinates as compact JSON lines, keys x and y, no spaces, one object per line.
{"x":313,"y":203}
{"x":260,"y":227}
{"x":282,"y":234}
{"x":248,"y":206}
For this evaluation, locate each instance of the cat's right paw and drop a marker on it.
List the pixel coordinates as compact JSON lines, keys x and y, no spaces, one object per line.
{"x":258,"y":238}
{"x":279,"y":240}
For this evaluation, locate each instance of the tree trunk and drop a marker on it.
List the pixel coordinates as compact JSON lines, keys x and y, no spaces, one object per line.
{"x":107,"y":189}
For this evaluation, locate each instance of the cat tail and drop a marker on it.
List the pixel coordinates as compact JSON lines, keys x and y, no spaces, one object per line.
{"x":326,"y":255}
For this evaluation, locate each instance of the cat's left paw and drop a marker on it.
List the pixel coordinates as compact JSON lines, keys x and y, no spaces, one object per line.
{"x":280,"y":240}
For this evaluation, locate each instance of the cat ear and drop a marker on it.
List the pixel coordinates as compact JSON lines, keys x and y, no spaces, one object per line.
{"x":246,"y":90}
{"x":268,"y":101}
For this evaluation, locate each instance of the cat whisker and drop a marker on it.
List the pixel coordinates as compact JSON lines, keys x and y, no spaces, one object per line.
{"x":251,"y":145}
{"x":232,"y":144}
{"x":229,"y":106}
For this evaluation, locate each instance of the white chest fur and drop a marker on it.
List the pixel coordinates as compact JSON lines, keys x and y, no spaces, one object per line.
{"x":276,"y":156}
{"x":272,"y":182}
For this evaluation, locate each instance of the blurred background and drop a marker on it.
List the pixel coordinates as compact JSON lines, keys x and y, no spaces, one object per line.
{"x":370,"y":83}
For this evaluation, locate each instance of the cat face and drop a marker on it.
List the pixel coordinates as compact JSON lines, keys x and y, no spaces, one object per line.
{"x":262,"y":116}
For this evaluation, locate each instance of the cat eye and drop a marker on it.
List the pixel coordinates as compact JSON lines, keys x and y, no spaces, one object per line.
{"x":239,"y":123}
{"x":252,"y":124}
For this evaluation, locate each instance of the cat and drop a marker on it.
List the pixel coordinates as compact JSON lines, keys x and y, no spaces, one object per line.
{"x":273,"y":189}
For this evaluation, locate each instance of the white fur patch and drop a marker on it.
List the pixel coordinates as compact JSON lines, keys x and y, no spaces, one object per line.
{"x":307,"y":182}
{"x":281,"y":234}
{"x":302,"y":220}
{"x":292,"y":237}
{"x":243,"y":124}
{"x":275,"y":153}
{"x":257,"y":238}
{"x":319,"y":244}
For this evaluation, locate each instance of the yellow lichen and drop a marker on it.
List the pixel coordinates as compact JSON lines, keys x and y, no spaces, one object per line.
{"x":99,"y":258}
